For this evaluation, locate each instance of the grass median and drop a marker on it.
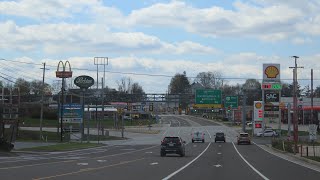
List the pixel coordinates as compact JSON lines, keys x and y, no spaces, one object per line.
{"x":64,"y":147}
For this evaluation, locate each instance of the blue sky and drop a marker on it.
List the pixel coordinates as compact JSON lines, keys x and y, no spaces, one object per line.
{"x":234,"y":38}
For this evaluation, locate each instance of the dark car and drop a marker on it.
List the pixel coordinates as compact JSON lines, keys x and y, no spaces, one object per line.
{"x":244,"y":138}
{"x":220,"y":136}
{"x":172,"y":145}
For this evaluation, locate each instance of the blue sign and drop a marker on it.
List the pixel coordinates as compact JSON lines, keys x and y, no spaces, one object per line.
{"x":71,"y":113}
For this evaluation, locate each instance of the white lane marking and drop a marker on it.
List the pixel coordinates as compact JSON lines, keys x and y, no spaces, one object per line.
{"x":288,"y":159}
{"x":82,"y":164}
{"x":194,"y":145}
{"x":185,"y":166}
{"x":218,"y":165}
{"x":260,"y":174}
{"x":179,"y":127}
{"x":219,"y":153}
{"x":208,"y":133}
{"x":127,"y":149}
{"x":167,"y":129}
{"x":220,"y":146}
{"x":155,"y":163}
{"x":101,"y":161}
{"x":148,"y":152}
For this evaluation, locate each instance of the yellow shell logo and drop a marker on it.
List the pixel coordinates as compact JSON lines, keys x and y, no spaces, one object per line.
{"x":258,"y":105}
{"x":271,"y":72}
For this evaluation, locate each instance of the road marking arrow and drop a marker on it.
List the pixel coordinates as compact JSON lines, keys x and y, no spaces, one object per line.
{"x":217,"y":165}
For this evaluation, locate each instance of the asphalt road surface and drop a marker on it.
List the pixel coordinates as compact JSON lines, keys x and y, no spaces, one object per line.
{"x":207,"y":160}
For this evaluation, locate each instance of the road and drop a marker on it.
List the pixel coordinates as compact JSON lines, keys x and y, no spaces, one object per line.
{"x":137,"y":160}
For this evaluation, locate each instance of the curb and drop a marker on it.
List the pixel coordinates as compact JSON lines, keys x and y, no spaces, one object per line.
{"x":297,"y":156}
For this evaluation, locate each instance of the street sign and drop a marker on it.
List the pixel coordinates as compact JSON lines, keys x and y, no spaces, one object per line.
{"x":208,"y":96}
{"x":313,"y":132}
{"x":231,"y":101}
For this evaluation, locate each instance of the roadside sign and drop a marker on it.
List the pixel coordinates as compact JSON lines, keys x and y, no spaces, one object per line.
{"x":231,"y":101}
{"x":208,"y":96}
{"x":313,"y":132}
{"x":71,"y":113}
{"x":258,"y":111}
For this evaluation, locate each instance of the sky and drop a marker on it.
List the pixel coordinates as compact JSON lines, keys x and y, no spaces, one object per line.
{"x":150,"y":41}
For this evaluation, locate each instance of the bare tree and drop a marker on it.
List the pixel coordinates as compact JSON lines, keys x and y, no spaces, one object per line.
{"x":124,"y":85}
{"x":210,"y":80}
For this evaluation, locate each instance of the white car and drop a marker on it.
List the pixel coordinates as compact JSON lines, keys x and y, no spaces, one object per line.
{"x":267,"y":133}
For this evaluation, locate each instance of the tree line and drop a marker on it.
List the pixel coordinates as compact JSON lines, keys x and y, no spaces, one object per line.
{"x":179,"y":84}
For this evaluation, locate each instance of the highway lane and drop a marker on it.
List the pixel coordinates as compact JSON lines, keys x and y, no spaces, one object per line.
{"x":203,"y":160}
{"x":274,"y":167}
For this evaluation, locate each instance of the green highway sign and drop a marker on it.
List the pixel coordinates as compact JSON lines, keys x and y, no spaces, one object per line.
{"x":208,"y":96}
{"x":231,"y":101}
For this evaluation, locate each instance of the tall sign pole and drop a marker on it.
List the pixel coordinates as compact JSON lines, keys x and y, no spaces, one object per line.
{"x":271,"y":95}
{"x":63,"y":73}
{"x":84,"y":82}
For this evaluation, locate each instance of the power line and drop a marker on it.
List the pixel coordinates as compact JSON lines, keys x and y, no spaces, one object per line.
{"x":154,"y":75}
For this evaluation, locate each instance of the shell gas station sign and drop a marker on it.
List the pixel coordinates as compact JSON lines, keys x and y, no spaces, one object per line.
{"x":271,"y":72}
{"x":258,"y":116}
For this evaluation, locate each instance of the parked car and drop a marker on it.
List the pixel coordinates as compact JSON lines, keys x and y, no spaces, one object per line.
{"x":197,"y":136}
{"x":220,"y":136}
{"x":172,"y":145}
{"x":249,"y":123}
{"x":243,"y":138}
{"x":267,"y":133}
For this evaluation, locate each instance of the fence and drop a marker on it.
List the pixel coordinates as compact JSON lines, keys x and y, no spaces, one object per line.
{"x":310,"y":151}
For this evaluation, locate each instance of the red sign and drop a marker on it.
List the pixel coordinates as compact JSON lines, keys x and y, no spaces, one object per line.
{"x":260,"y":113}
{"x":257,"y":125}
{"x":63,"y":74}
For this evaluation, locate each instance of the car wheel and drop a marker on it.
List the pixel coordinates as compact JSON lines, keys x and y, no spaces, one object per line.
{"x":162,"y":154}
{"x":182,"y":154}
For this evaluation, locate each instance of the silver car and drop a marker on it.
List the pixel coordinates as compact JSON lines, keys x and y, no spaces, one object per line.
{"x":197,"y":136}
{"x":267,"y":133}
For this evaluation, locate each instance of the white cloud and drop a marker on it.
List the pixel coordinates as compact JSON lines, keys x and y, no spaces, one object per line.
{"x":63,"y":38}
{"x":277,"y":20}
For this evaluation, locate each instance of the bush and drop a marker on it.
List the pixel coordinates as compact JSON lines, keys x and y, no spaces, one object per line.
{"x":283,"y":145}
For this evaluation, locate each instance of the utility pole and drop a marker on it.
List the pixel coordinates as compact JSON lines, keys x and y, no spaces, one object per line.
{"x":312,"y":120}
{"x":295,"y":108}
{"x":42,"y":92}
{"x":101,"y":61}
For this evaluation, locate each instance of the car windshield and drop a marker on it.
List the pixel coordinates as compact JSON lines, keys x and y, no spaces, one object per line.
{"x":171,"y":139}
{"x":219,"y":134}
{"x":244,"y":135}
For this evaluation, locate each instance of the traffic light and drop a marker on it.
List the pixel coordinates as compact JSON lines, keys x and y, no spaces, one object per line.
{"x":229,"y":108}
{"x":151,"y":107}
